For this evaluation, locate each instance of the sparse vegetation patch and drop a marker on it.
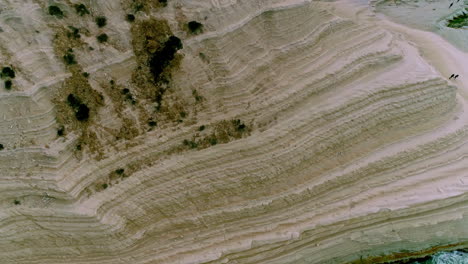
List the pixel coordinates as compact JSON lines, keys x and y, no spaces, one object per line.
{"x":220,"y":133}
{"x":74,"y":32}
{"x":156,"y":49}
{"x":459,"y":21}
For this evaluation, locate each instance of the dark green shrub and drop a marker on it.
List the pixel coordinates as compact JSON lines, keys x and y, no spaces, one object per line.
{"x":55,"y":11}
{"x":86,"y":74}
{"x":120,"y":171}
{"x":1,"y":147}
{"x":101,"y":21}
{"x":195,"y":27}
{"x":8,"y":72}
{"x":459,"y":21}
{"x":130,"y":17}
{"x":73,"y":101}
{"x":164,"y":2}
{"x":201,"y":128}
{"x":69,"y":59}
{"x":81,"y":9}
{"x":75,"y":32}
{"x":102,"y":38}
{"x":104,"y":185}
{"x":16,"y":202}
{"x":152,"y":123}
{"x":8,"y":84}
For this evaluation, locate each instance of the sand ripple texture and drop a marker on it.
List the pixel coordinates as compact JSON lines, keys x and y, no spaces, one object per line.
{"x":358,"y":145}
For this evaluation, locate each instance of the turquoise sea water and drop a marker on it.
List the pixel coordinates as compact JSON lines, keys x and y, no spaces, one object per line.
{"x":455,"y":257}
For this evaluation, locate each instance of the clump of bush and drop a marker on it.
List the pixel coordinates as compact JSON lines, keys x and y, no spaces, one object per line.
{"x":8,"y":84}
{"x":130,"y":17}
{"x":191,"y":144}
{"x":195,"y":27}
{"x":81,"y":110}
{"x":1,"y":147}
{"x":16,"y":202}
{"x":459,"y":21}
{"x":198,"y":97}
{"x":55,"y":11}
{"x":8,"y":72}
{"x":240,"y":126}
{"x":81,"y":9}
{"x":101,"y":21}
{"x":61,"y":131}
{"x":75,"y":32}
{"x":152,"y":123}
{"x":102,"y":38}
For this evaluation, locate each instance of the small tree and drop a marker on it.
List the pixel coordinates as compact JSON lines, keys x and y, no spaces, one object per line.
{"x":130,"y":17}
{"x":55,"y":11}
{"x":8,"y":84}
{"x":82,"y":114}
{"x":102,"y":38}
{"x":101,"y":21}
{"x":8,"y":72}
{"x":81,"y":9}
{"x":60,"y":131}
{"x":69,"y":59}
{"x":195,"y":27}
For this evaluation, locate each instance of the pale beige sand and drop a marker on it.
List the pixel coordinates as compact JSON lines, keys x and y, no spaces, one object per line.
{"x":358,"y":144}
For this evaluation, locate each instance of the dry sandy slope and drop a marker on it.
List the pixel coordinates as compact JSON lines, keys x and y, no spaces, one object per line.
{"x":358,"y":144}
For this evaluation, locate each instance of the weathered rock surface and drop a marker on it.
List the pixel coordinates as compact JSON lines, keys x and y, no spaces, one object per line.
{"x":327,"y":135}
